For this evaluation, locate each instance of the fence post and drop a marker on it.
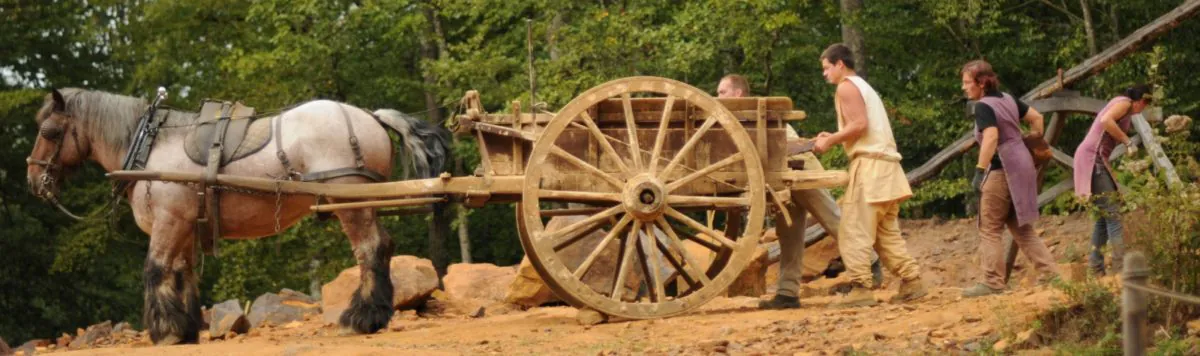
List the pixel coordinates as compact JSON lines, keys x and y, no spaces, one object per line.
{"x":1133,"y":304}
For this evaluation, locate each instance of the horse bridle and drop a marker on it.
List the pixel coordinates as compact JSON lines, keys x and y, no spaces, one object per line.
{"x":47,"y":179}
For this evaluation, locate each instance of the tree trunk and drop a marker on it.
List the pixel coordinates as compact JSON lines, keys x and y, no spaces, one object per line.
{"x":852,"y":34}
{"x":552,"y":34}
{"x":464,"y":235}
{"x":1087,"y":26}
{"x":439,"y":224}
{"x":1116,"y":22}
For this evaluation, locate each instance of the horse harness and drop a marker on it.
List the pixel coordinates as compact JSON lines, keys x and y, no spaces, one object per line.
{"x":229,"y":123}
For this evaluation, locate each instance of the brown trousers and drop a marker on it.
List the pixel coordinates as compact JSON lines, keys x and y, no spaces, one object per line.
{"x":995,"y":213}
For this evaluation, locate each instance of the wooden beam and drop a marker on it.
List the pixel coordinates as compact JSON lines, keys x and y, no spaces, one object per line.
{"x":1155,"y":150}
{"x":1068,"y":104}
{"x":941,"y":159}
{"x":1114,"y":53}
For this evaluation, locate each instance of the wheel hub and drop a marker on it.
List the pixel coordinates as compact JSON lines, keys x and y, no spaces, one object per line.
{"x":645,"y":197}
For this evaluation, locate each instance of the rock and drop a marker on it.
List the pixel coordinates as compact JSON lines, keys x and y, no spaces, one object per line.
{"x":714,"y":346}
{"x":752,"y":282}
{"x":1177,"y":123}
{"x":588,"y":317}
{"x":277,"y":310}
{"x":478,"y":313}
{"x":1026,"y":338}
{"x":291,"y":295}
{"x":1000,"y":346}
{"x":972,"y":318}
{"x":121,"y":326}
{"x":93,"y":334}
{"x":28,"y":348}
{"x":62,"y":341}
{"x":478,"y":281}
{"x":226,"y":317}
{"x":527,"y":289}
{"x":4,"y":349}
{"x":413,"y":279}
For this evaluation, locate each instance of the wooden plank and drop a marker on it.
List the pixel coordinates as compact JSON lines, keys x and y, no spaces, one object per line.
{"x":1068,"y":104}
{"x":376,"y":204}
{"x":1157,"y":155}
{"x":1114,"y":53}
{"x":935,"y":164}
{"x":407,"y":188}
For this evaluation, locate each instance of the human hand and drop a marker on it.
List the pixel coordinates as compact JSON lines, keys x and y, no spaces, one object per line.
{"x":821,"y":144}
{"x":977,"y":182}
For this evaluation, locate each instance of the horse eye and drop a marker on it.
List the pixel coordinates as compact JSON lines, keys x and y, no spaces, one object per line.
{"x":51,"y":130}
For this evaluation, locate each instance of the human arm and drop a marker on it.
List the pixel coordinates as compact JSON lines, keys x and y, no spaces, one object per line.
{"x":854,"y":116}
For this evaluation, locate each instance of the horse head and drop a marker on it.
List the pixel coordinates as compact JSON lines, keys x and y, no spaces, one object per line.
{"x":59,"y":147}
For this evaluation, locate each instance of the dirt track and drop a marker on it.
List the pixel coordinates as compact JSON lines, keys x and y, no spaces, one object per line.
{"x":942,"y":321}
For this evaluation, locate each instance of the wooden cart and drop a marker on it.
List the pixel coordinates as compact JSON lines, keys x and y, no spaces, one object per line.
{"x":669,"y":188}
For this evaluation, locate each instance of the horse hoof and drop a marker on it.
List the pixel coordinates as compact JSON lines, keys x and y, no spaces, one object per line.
{"x":169,"y":340}
{"x":347,"y":331}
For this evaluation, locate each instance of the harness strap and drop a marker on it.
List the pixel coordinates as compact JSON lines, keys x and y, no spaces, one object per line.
{"x":358,"y":157}
{"x":342,"y":172}
{"x":277,"y":122}
{"x":208,"y":222}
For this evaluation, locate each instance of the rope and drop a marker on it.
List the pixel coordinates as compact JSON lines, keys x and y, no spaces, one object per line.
{"x":1165,"y":293}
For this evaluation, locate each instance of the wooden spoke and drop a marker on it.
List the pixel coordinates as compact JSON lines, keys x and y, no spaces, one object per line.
{"x":630,"y":242}
{"x":674,"y":261}
{"x":662,"y":134}
{"x":570,"y":158}
{"x":651,"y":264}
{"x":690,"y":263}
{"x":571,"y":212}
{"x":716,"y":202}
{"x":720,"y":237}
{"x":604,"y":144}
{"x":571,"y":195}
{"x":608,"y":238}
{"x":687,"y":147}
{"x":702,"y":242}
{"x":735,"y":158}
{"x":569,"y":234}
{"x":634,"y":148}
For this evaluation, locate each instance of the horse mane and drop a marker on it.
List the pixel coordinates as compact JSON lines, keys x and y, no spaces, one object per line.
{"x":111,"y":117}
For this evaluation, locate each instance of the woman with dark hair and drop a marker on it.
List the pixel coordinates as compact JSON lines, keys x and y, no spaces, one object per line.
{"x":1093,"y":173}
{"x":1005,"y":178}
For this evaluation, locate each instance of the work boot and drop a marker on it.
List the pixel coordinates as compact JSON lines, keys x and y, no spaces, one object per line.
{"x":780,"y":302}
{"x":859,"y":296}
{"x":877,"y":273}
{"x":910,"y":290}
{"x":980,"y":290}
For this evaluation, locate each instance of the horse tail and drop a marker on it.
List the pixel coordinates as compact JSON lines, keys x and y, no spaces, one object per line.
{"x":425,"y":146}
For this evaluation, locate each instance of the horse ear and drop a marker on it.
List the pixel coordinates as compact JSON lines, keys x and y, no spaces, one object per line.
{"x":60,"y":104}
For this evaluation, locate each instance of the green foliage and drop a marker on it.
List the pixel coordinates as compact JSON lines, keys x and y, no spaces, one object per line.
{"x":1088,"y":322}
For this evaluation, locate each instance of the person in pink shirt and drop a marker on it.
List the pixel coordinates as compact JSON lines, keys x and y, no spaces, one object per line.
{"x":1093,"y":173}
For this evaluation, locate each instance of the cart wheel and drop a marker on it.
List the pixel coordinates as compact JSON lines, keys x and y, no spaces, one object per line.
{"x":644,"y":215}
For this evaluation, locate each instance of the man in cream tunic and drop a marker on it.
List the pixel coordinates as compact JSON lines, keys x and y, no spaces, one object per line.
{"x":877,"y":186}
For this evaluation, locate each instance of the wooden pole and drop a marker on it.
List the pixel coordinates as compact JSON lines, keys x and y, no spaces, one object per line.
{"x":1155,"y":150}
{"x":1133,"y":304}
{"x":1119,"y":50}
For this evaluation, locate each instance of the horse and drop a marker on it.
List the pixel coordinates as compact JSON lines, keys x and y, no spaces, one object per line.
{"x":78,"y":125}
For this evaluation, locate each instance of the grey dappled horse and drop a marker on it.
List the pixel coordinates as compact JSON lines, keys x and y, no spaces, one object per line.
{"x":78,"y":125}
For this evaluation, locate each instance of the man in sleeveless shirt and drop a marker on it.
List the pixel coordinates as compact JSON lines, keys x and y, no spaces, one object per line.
{"x":877,"y":186}
{"x":796,"y":263}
